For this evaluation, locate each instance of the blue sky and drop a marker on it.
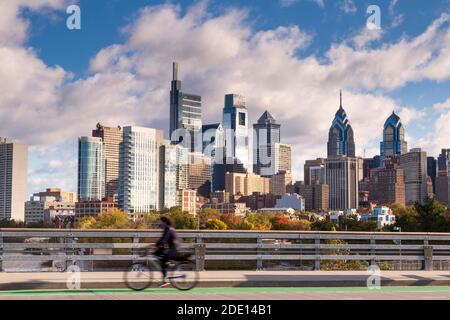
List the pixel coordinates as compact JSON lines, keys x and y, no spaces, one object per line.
{"x":290,"y":56}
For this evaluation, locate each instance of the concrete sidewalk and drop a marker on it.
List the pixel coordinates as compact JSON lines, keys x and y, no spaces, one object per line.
{"x":216,"y":279}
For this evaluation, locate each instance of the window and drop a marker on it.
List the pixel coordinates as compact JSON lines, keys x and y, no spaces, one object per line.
{"x":242,"y":119}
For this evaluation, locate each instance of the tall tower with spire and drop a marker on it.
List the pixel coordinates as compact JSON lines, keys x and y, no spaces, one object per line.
{"x":340,"y":137}
{"x":266,"y":136}
{"x":394,"y":142}
{"x":185,"y":115}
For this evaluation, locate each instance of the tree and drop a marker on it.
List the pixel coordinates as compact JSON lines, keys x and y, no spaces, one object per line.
{"x":300,"y":225}
{"x":183,"y":220}
{"x":260,"y":221}
{"x":281,"y":222}
{"x":323,"y":225}
{"x":112,"y":219}
{"x":216,"y":224}
{"x":432,"y":216}
{"x":351,"y":223}
{"x":231,"y":220}
{"x":207,"y":214}
{"x":86,"y":223}
{"x":6,"y":223}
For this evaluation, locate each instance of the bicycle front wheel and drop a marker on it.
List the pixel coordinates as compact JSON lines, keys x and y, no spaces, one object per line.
{"x":138,"y":277}
{"x":184,"y":275}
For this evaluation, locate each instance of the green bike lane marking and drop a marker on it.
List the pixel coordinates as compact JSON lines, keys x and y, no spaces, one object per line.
{"x":220,"y":290}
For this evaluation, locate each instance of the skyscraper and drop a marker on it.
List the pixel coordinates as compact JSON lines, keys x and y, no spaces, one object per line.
{"x":394,"y":142}
{"x":139,"y":170}
{"x":174,"y":173}
{"x":432,"y":171}
{"x":443,"y":177}
{"x":91,"y":169}
{"x":13,"y":179}
{"x":111,"y":137}
{"x":314,"y":171}
{"x":386,"y":185}
{"x":266,"y":135}
{"x":185,"y":115}
{"x":340,"y":137}
{"x":414,"y":163}
{"x":343,"y":175}
{"x":235,"y":124}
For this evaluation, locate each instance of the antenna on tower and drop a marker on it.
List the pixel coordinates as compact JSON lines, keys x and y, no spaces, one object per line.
{"x":340,"y":96}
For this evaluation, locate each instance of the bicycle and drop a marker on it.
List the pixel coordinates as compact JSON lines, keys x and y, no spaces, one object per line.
{"x":181,"y":273}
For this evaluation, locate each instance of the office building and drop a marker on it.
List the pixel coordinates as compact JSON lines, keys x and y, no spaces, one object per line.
{"x":432,"y":171}
{"x":386,"y":185}
{"x":340,"y":137}
{"x":199,"y":174}
{"x":414,"y":164}
{"x":111,"y":137}
{"x":316,"y":196}
{"x":173,"y":173}
{"x":92,"y":208}
{"x":214,"y":142}
{"x":219,"y":170}
{"x":257,"y":201}
{"x":188,"y":201}
{"x":139,"y":170}
{"x":185,"y":115}
{"x":246,"y":183}
{"x":91,"y":169}
{"x":314,"y":171}
{"x":266,"y":135}
{"x":443,"y":177}
{"x":50,"y":205}
{"x":343,"y":175}
{"x":394,"y":142}
{"x":279,"y":182}
{"x":13,"y":179}
{"x":235,"y":125}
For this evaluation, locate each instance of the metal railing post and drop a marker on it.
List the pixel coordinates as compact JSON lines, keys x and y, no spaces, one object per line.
{"x":200,"y":251}
{"x":372,"y":251}
{"x":317,"y":254}
{"x":259,"y":261}
{"x":428,"y":257}
{"x":1,"y":251}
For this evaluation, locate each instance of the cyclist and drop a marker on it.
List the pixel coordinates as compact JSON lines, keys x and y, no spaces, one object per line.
{"x":166,"y":246}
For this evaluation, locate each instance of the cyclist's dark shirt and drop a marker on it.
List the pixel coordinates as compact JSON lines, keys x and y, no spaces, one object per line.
{"x":169,"y":236}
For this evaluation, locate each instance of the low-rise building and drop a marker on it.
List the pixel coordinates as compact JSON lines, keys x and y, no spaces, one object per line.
{"x":93,"y":208}
{"x":239,"y":209}
{"x":382,"y":215}
{"x":45,"y":207}
{"x":294,"y":201}
{"x":188,"y":201}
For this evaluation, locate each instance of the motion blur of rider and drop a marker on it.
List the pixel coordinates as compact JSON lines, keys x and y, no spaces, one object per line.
{"x":166,"y":246}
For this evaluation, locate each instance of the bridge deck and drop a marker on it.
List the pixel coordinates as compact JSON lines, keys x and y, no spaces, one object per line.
{"x":242,"y":279}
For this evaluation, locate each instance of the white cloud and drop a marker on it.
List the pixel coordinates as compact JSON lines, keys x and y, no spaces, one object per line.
{"x":289,"y":3}
{"x":348,"y":6}
{"x":130,"y":82}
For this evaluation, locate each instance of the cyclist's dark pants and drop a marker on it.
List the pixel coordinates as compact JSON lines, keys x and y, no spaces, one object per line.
{"x":165,"y":256}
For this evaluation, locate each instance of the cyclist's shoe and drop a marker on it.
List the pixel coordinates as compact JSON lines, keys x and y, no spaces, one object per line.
{"x":165,"y":285}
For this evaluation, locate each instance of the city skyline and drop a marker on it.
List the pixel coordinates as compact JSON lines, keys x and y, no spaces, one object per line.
{"x":125,"y":81}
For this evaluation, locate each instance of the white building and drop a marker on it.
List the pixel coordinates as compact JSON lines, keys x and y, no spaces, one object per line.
{"x":294,"y":201}
{"x":382,"y":215}
{"x":139,"y":177}
{"x":13,"y":179}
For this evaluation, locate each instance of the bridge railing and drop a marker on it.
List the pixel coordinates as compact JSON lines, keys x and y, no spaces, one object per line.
{"x":228,"y":248}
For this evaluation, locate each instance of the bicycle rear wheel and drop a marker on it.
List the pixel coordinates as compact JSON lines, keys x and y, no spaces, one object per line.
{"x":184,"y":275}
{"x":138,"y":277}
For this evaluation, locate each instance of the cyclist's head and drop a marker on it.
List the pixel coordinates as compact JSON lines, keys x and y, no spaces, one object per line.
{"x":167,"y":221}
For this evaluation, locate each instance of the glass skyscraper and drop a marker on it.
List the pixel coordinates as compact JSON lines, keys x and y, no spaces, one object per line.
{"x":394,"y":142}
{"x":266,"y":136}
{"x":235,"y":124}
{"x":340,"y":137}
{"x":91,"y":169}
{"x":185,"y":115}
